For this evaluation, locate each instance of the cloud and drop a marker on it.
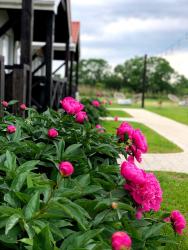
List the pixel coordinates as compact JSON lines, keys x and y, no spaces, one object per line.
{"x":178,"y":60}
{"x":118,"y":30}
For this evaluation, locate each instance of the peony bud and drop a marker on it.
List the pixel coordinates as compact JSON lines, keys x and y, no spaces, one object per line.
{"x":114,"y":205}
{"x":11,"y":129}
{"x":66,"y":168}
{"x":121,"y":241}
{"x":96,"y":103}
{"x":23,"y":106}
{"x":52,"y":133}
{"x":5,"y":104}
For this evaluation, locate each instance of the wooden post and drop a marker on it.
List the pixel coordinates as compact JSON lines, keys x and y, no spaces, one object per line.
{"x":2,"y":78}
{"x":50,"y":27}
{"x":77,"y":74}
{"x":144,"y":81}
{"x":71,"y":74}
{"x":67,"y":64}
{"x":26,"y":42}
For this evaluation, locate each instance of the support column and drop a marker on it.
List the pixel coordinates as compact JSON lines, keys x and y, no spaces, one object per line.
{"x":71,"y":75}
{"x":26,"y":42}
{"x":50,"y":27}
{"x":67,"y":65}
{"x":2,"y":78}
{"x":77,"y":74}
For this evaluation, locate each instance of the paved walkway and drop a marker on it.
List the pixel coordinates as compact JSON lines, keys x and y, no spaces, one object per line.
{"x":173,"y":131}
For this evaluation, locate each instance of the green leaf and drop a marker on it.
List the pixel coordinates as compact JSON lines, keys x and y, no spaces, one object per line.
{"x":27,"y":241}
{"x":12,"y":221}
{"x":43,"y":241}
{"x":83,"y":180}
{"x":60,"y":147}
{"x":11,"y":199}
{"x":154,"y":230}
{"x":33,"y":206}
{"x":73,"y":150}
{"x":27,"y":166}
{"x":18,"y":182}
{"x":12,"y":102}
{"x":10,"y":162}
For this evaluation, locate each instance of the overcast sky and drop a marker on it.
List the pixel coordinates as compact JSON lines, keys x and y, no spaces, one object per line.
{"x":120,"y":29}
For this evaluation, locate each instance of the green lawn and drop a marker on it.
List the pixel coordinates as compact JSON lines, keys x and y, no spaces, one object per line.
{"x":175,"y":190}
{"x":156,"y":142}
{"x":179,"y":114}
{"x":118,"y":113}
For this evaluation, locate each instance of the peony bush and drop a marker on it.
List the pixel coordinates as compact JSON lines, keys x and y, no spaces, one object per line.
{"x":94,"y":109}
{"x":61,"y":187}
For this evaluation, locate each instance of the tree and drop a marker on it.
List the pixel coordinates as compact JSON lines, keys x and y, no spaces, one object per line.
{"x":93,"y":71}
{"x":159,"y":74}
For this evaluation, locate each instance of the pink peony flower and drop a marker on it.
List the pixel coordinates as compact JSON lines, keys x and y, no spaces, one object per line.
{"x":125,"y":129}
{"x":116,"y":118}
{"x":121,"y":241}
{"x":11,"y":129}
{"x":100,"y":128}
{"x":23,"y":106}
{"x":136,"y":152}
{"x":139,"y":141}
{"x":96,"y":103}
{"x":178,"y":221}
{"x":66,"y":168}
{"x":81,"y":117}
{"x":52,"y":133}
{"x":132,"y":173}
{"x":110,"y":102}
{"x":71,"y":105}
{"x":104,"y":102}
{"x":147,"y":195}
{"x":5,"y":104}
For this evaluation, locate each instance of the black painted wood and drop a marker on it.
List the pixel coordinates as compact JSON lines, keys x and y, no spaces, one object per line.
{"x":2,"y":78}
{"x":26,"y":42}
{"x":50,"y":27}
{"x":5,"y":28}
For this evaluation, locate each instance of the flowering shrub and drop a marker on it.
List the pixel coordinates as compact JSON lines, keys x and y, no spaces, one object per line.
{"x":94,"y":110}
{"x":67,"y":192}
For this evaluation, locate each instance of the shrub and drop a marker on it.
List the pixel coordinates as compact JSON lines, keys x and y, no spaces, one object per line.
{"x":94,"y":111}
{"x":66,"y":192}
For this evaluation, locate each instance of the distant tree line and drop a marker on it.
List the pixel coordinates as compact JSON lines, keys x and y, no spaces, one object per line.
{"x":161,"y":77}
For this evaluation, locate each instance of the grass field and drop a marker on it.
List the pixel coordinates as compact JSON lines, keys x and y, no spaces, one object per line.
{"x":156,"y":142}
{"x":118,"y":113}
{"x":179,"y":114}
{"x":175,"y":190}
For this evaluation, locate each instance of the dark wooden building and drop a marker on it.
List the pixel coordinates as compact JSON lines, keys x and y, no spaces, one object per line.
{"x":32,"y":35}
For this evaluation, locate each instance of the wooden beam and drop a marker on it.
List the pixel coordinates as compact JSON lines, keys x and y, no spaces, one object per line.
{"x":26,"y":42}
{"x":77,"y":74}
{"x":50,"y":29}
{"x":58,"y":68}
{"x":71,"y":75}
{"x":38,"y":68}
{"x":2,"y":78}
{"x":5,"y":28}
{"x":67,"y":63}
